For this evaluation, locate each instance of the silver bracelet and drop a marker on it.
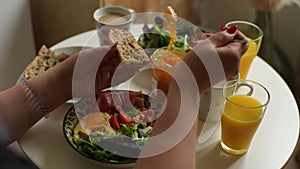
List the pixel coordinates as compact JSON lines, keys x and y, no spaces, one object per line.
{"x":35,"y":96}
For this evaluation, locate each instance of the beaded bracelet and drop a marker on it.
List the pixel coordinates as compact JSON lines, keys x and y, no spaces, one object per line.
{"x":35,"y":96}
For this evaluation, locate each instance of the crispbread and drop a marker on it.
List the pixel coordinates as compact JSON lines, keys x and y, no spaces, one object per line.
{"x":42,"y":62}
{"x":132,"y":54}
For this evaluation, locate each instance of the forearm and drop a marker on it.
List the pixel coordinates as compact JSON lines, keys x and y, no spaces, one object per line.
{"x":55,"y":86}
{"x":210,"y":62}
{"x":183,"y":155}
{"x":20,"y":109}
{"x":178,"y":123}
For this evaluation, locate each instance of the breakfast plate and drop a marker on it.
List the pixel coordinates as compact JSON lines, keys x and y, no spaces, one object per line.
{"x":71,"y":50}
{"x":112,"y":128}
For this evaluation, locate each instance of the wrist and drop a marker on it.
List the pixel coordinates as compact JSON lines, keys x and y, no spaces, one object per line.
{"x":62,"y":77}
{"x":34,"y":97}
{"x":55,"y":85}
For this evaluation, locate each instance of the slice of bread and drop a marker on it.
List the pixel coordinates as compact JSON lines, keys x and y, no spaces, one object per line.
{"x":45,"y":60}
{"x":133,"y":55}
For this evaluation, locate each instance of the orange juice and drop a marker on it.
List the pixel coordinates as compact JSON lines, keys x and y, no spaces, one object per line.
{"x":164,"y":62}
{"x":248,"y":57}
{"x":241,"y":116}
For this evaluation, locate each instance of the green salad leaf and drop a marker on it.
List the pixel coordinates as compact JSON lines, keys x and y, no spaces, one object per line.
{"x":156,"y":36}
{"x":127,"y":137}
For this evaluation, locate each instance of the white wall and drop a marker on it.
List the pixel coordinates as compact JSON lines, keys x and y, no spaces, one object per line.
{"x":16,"y":40}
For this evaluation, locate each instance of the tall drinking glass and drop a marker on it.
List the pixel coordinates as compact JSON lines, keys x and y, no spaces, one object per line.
{"x":254,"y":35}
{"x":164,"y":62}
{"x":244,"y":107}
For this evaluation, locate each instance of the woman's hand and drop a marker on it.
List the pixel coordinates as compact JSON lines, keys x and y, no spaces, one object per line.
{"x":230,"y":48}
{"x":97,"y":69}
{"x":214,"y":59}
{"x":111,"y":72}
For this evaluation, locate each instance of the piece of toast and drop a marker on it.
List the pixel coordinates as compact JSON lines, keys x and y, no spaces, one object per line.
{"x":45,"y":60}
{"x":132,"y":54}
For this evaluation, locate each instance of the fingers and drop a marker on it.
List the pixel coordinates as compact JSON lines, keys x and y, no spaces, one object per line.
{"x":112,"y":55}
{"x":112,"y":76}
{"x":112,"y":51}
{"x":233,"y":28}
{"x":230,"y":56}
{"x":230,"y":59}
{"x":235,"y":47}
{"x":221,"y":38}
{"x":241,"y":48}
{"x":106,"y":56}
{"x":240,"y":35}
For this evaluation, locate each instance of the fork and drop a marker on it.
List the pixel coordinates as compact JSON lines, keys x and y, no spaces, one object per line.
{"x":182,"y":24}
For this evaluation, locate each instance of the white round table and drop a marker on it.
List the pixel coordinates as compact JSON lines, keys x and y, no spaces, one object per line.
{"x":271,"y":148}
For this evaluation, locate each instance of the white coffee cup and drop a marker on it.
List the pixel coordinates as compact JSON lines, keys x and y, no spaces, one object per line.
{"x":210,"y":103}
{"x":112,"y":16}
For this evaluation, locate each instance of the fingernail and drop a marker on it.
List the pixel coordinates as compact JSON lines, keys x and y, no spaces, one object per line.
{"x":222,"y":28}
{"x":232,"y":29}
{"x":208,"y":35}
{"x":113,"y":45}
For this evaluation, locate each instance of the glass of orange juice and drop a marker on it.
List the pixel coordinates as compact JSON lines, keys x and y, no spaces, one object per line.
{"x":245,"y":103}
{"x":164,"y":62}
{"x":254,"y":35}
